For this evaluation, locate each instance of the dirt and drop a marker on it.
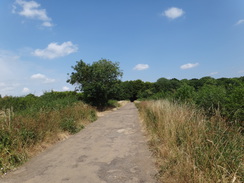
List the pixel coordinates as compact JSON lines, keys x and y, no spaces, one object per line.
{"x":113,"y":149}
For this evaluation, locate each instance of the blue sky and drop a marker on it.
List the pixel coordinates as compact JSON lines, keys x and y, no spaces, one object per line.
{"x":40,"y":40}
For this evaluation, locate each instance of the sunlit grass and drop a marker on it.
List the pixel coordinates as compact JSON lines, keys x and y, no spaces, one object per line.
{"x":21,"y":133}
{"x":190,"y":147}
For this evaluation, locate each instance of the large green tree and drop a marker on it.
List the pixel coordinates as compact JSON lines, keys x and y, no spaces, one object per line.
{"x":98,"y":81}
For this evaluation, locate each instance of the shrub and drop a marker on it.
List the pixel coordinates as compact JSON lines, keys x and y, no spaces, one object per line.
{"x":70,"y":125}
{"x":185,"y":93}
{"x":113,"y":103}
{"x":32,"y":126}
{"x":211,"y":98}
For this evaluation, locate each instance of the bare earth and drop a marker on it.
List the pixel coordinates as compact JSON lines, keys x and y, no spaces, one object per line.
{"x":110,"y":150}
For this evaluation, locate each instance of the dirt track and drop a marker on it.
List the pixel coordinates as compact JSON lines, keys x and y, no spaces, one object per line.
{"x":112,"y":149}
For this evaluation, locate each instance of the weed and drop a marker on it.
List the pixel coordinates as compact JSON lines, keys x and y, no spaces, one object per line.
{"x":69,"y":124}
{"x":192,"y":147}
{"x":35,"y":120}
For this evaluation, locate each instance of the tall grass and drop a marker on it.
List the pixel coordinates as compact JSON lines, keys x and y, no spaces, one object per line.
{"x":41,"y":122}
{"x":190,"y":147}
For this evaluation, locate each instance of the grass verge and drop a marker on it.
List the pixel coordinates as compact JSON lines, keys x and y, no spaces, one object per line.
{"x":190,"y":147}
{"x":22,"y":133}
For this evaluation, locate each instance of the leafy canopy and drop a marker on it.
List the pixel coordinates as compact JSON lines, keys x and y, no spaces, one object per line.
{"x":98,"y":81}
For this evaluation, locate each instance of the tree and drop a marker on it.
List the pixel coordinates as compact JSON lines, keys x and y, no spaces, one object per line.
{"x":211,"y":98}
{"x":134,"y":90}
{"x":162,"y":84}
{"x":185,"y":93}
{"x":99,"y":81}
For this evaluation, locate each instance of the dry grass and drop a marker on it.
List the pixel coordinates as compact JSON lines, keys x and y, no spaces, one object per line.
{"x":190,"y":147}
{"x":23,"y":136}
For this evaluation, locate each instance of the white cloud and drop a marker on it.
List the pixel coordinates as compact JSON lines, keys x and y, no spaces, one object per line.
{"x":65,"y":88}
{"x":31,"y":9}
{"x":140,"y":67}
{"x":189,"y":66}
{"x":47,"y":24}
{"x":43,"y":78}
{"x":17,"y":74}
{"x":240,"y":22}
{"x":173,"y":13}
{"x":54,"y":50}
{"x":26,"y":90}
{"x":38,"y":76}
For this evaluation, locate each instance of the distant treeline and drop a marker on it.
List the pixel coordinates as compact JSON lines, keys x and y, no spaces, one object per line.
{"x":223,"y":95}
{"x":47,"y":101}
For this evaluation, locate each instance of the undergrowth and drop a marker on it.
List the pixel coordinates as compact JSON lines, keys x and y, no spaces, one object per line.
{"x":36,"y":123}
{"x":191,"y":147}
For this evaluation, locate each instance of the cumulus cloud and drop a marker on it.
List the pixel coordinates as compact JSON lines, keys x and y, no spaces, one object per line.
{"x":54,"y":50}
{"x":47,"y":24}
{"x":17,"y":74}
{"x":240,"y":22}
{"x":65,"y":88}
{"x":173,"y":13}
{"x":140,"y":67}
{"x":31,"y":9}
{"x":189,"y":66}
{"x":26,"y":90}
{"x":42,"y":78}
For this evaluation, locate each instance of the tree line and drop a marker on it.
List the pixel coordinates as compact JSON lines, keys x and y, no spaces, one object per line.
{"x":101,"y":81}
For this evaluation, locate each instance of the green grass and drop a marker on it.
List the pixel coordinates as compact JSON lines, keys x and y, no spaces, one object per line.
{"x":32,"y":121}
{"x":191,"y":147}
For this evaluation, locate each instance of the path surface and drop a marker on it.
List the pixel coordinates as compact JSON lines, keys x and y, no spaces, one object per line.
{"x":110,"y":150}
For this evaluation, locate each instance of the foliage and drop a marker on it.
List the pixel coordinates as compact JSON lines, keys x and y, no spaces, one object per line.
{"x":133,"y":90}
{"x":190,"y":147}
{"x":69,"y":124}
{"x":211,"y":98}
{"x":113,"y":103}
{"x":33,"y":120}
{"x":234,"y":108}
{"x":98,"y":81}
{"x":185,"y":93}
{"x":224,"y":95}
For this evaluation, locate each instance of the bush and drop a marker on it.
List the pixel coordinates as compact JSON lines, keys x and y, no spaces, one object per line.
{"x":42,"y":121}
{"x":185,"y":93}
{"x":211,"y":98}
{"x":113,"y":103}
{"x":70,"y":125}
{"x":234,"y":108}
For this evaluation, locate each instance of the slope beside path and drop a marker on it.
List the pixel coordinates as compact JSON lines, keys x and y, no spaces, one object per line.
{"x":110,"y":150}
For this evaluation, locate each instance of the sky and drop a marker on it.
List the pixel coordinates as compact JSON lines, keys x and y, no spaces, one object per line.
{"x":40,"y":40}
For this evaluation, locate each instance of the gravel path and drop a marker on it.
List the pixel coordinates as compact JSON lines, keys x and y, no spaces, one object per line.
{"x":110,"y":150}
